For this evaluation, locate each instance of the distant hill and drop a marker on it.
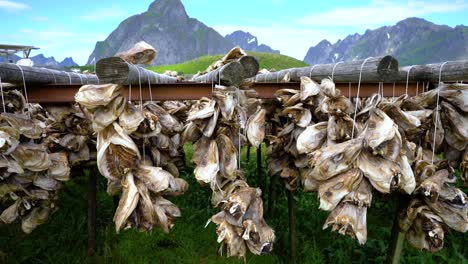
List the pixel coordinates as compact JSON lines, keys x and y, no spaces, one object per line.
{"x":42,"y":61}
{"x":266,"y":60}
{"x":411,"y":41}
{"x":168,"y":28}
{"x":248,"y":42}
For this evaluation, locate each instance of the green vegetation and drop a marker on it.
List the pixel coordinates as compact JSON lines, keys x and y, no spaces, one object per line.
{"x":63,"y":239}
{"x":266,"y":60}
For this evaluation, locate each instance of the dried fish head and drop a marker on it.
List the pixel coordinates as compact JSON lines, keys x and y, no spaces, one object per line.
{"x":30,"y":128}
{"x":333,"y":160}
{"x":106,"y":115}
{"x":228,"y":157}
{"x":255,"y":128}
{"x":333,"y":190}
{"x":312,"y":138}
{"x":36,"y":217}
{"x":379,"y":128}
{"x":360,"y":196}
{"x":166,"y":213}
{"x":140,"y":53}
{"x":131,"y":118}
{"x":204,"y":108}
{"x":308,"y":88}
{"x":208,"y":166}
{"x":349,"y":219}
{"x":59,"y":168}
{"x":33,"y":157}
{"x":117,"y":152}
{"x":128,"y":201}
{"x":383,"y":174}
{"x":154,"y":178}
{"x":8,"y":143}
{"x":92,"y":96}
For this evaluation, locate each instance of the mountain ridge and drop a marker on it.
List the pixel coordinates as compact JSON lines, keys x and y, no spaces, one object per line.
{"x":411,"y":41}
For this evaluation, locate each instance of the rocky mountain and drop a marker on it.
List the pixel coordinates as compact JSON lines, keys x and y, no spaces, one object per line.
{"x":248,"y":42}
{"x":68,"y":62}
{"x":43,"y":61}
{"x":168,"y":28}
{"x":411,"y":41}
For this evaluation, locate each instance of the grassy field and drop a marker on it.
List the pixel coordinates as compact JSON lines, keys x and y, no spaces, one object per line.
{"x":63,"y":239}
{"x":266,"y":60}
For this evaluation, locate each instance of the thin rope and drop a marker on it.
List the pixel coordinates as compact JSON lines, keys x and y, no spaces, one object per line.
{"x":81,"y":78}
{"x":149,"y":88}
{"x":334,"y":67}
{"x":357,"y":95}
{"x":129,"y":92}
{"x":3,"y":99}
{"x":69,"y":77}
{"x":407,"y":79}
{"x":311,"y":69}
{"x":24,"y":86}
{"x":437,"y":112}
{"x":393,"y":92}
{"x":349,"y":90}
{"x":141,"y":96}
{"x":417,"y":88}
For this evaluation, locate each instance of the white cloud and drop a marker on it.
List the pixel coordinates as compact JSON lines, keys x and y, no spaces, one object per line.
{"x":12,"y":6}
{"x":291,"y":40}
{"x":380,"y":12}
{"x":101,"y":14}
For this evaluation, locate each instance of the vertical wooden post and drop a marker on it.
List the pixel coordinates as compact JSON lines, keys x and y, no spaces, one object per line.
{"x":260,"y":180}
{"x":92,"y":212}
{"x":292,"y":228}
{"x":272,"y":194}
{"x":397,"y":239}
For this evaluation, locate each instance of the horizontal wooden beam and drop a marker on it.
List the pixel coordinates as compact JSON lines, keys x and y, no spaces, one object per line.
{"x":59,"y":94}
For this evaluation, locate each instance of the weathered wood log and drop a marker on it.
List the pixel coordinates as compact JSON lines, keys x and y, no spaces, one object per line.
{"x":375,"y":70}
{"x":452,"y":71}
{"x":232,"y":73}
{"x":12,"y":73}
{"x":116,"y":70}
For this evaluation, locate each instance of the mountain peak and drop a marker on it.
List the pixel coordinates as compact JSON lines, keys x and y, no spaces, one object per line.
{"x":248,"y":42}
{"x":169,"y":8}
{"x":412,"y":41}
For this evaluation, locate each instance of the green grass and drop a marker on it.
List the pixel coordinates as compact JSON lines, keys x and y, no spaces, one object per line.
{"x":63,"y":238}
{"x":266,"y":60}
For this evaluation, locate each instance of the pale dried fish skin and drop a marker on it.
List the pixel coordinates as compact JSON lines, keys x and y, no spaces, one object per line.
{"x":256,"y":128}
{"x":128,"y":202}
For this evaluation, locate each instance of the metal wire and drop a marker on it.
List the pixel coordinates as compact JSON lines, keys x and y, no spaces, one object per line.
{"x":437,"y":112}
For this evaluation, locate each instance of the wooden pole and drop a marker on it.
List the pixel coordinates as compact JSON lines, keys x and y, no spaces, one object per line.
{"x":397,"y":239}
{"x":260,"y":180}
{"x":12,"y":73}
{"x":375,"y":69}
{"x":92,"y":212}
{"x":116,"y":70}
{"x":232,"y":73}
{"x":452,"y":71}
{"x":292,"y":227}
{"x":272,"y":195}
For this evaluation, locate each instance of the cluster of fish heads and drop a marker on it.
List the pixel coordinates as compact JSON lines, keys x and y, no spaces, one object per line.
{"x":139,"y":151}
{"x":344,"y":156}
{"x":38,"y":146}
{"x":218,"y":127}
{"x":437,"y":205}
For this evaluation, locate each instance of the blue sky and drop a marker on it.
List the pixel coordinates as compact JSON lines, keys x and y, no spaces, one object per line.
{"x":71,"y":28}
